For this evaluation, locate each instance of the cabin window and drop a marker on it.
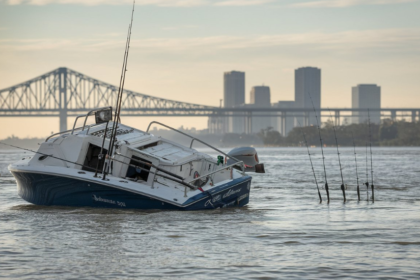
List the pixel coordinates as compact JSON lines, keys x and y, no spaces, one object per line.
{"x":91,"y":159}
{"x":141,"y":172}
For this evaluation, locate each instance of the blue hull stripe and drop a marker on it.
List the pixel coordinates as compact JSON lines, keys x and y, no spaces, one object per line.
{"x":47,"y":189}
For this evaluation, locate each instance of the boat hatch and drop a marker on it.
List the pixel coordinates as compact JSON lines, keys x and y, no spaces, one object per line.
{"x":138,"y":173}
{"x":91,"y":159}
{"x":148,"y":146}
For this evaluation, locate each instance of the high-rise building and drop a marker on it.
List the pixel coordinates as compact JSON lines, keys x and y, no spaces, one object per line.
{"x":366,"y":97}
{"x":285,"y":123}
{"x":307,"y":87}
{"x":234,"y":96}
{"x":260,"y":98}
{"x":234,"y":88}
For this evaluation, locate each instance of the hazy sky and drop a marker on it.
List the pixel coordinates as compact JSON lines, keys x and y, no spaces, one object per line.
{"x":180,"y":48}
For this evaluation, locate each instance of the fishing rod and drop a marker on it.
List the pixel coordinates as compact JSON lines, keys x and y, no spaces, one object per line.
{"x":371,"y":160}
{"x":119,"y":97}
{"x":339,"y":161}
{"x":310,"y":159}
{"x":367,"y":174}
{"x":355,"y":161}
{"x":322,"y":150}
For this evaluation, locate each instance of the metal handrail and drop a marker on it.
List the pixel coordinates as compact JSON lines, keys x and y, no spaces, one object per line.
{"x":62,"y":132}
{"x":70,"y":130}
{"x":213,"y":172}
{"x":193,"y":138}
{"x":75,"y":122}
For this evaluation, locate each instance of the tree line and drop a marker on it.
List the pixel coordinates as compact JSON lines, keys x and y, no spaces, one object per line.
{"x":388,"y":133}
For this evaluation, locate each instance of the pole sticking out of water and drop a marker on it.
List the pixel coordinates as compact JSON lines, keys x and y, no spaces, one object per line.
{"x":371,"y":160}
{"x":367,"y":174}
{"x":322,"y":150}
{"x":357,"y":174}
{"x":339,"y":161}
{"x":310,"y":159}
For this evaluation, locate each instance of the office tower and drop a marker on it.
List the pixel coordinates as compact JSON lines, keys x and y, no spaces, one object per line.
{"x":260,"y":98}
{"x":366,"y":97}
{"x":307,"y":86}
{"x":286,"y":122}
{"x":234,"y":96}
{"x":234,"y":88}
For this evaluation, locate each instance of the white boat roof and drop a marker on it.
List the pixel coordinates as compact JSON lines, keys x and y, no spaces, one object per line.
{"x":168,"y":152}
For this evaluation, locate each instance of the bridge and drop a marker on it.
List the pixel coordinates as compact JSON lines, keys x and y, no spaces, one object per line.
{"x":64,"y":92}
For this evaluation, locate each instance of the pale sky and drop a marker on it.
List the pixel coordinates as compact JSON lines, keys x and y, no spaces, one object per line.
{"x":180,"y":48}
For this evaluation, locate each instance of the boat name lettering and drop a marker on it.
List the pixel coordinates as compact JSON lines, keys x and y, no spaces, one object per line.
{"x":243,"y":197}
{"x":110,"y":201}
{"x":231,"y":192}
{"x":217,"y":198}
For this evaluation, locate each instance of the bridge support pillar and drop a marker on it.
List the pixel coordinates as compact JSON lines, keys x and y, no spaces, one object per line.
{"x":337,"y":118}
{"x":63,"y":120}
{"x":413,"y":116}
{"x":249,"y":123}
{"x":283,"y":124}
{"x":306,"y":119}
{"x":393,"y":115}
{"x":62,"y":88}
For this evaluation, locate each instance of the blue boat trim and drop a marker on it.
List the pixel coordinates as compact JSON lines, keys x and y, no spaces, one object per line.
{"x":48,"y":189}
{"x":215,"y":191}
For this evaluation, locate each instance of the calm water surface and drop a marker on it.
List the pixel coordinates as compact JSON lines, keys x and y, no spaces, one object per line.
{"x":284,"y":233}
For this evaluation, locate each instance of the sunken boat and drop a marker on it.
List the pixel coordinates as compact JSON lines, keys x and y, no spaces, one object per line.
{"x":97,"y":166}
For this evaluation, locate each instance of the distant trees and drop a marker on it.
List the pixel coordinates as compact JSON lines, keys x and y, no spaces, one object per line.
{"x":271,"y":137}
{"x":388,"y":133}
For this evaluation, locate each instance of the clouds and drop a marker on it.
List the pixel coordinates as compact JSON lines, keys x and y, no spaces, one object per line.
{"x":383,"y":40}
{"x":218,"y":3}
{"x":243,"y":2}
{"x":160,"y":3}
{"x":346,"y":3}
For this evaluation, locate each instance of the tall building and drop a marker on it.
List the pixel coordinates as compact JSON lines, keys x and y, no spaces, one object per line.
{"x":284,"y":124}
{"x":234,"y":96}
{"x":307,"y":87}
{"x":260,"y":98}
{"x":366,"y":97}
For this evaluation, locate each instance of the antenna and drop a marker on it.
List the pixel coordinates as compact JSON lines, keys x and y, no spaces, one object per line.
{"x":310,"y":159}
{"x":322,"y":150}
{"x":339,"y":161}
{"x":119,"y":97}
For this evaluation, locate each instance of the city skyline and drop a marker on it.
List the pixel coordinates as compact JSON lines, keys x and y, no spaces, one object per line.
{"x":179,"y":49}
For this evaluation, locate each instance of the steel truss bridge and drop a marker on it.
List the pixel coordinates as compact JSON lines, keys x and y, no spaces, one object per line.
{"x":66,"y":93}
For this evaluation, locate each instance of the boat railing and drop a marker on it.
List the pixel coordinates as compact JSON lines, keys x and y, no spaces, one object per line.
{"x":198,"y":140}
{"x":62,"y":132}
{"x":82,"y":128}
{"x":215,"y":171}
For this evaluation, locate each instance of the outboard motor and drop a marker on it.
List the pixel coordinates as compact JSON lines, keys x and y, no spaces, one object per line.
{"x":250,"y":158}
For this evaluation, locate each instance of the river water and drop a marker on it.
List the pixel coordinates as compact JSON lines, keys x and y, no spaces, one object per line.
{"x":284,"y":233}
